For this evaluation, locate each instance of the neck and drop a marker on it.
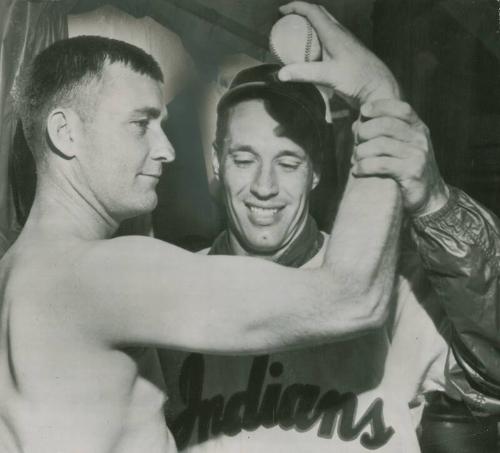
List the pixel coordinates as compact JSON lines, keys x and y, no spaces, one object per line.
{"x":62,"y":211}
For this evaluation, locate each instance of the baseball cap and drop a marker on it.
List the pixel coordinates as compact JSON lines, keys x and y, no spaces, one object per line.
{"x":264,"y":79}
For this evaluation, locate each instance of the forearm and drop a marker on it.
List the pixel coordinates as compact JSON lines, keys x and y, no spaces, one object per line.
{"x":362,"y":253}
{"x":366,"y":230}
{"x":363,"y":250}
{"x":460,"y":249}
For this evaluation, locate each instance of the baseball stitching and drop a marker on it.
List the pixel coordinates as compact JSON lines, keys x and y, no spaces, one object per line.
{"x":273,"y":50}
{"x":309,"y":38}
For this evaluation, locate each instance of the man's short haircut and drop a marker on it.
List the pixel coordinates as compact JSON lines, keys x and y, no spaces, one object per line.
{"x":298,"y":108}
{"x":58,"y":75}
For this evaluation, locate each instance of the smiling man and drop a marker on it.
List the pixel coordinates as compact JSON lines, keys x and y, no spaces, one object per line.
{"x":269,"y":144}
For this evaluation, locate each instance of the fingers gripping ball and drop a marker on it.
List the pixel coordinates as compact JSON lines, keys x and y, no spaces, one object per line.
{"x":294,"y":40}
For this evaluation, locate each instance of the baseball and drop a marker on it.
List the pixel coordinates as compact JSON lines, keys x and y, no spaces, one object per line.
{"x":294,"y":40}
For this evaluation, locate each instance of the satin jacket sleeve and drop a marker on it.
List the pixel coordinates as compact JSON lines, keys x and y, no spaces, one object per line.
{"x":459,"y":247}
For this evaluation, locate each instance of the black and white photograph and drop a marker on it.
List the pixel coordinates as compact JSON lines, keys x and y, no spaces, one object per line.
{"x":250,"y":226}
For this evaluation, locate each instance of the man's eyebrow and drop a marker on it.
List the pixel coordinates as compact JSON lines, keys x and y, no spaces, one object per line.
{"x":150,"y":112}
{"x":291,"y":153}
{"x":240,"y":147}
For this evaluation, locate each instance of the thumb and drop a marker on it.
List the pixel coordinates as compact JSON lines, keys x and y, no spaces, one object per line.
{"x":322,"y":74}
{"x":314,"y":72}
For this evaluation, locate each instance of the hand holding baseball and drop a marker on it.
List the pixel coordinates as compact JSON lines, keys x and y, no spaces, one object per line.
{"x":348,"y":67}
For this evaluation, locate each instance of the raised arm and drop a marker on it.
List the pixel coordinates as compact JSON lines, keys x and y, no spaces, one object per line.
{"x":142,"y":291}
{"x":148,"y":292}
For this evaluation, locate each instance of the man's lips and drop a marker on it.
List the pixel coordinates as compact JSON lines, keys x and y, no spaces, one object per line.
{"x":262,"y":214}
{"x":151,"y":175}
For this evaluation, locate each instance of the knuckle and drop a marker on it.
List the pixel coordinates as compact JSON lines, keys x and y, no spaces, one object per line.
{"x":421,"y":142}
{"x":363,"y":129}
{"x":418,"y":163}
{"x":378,"y":105}
{"x":366,"y":149}
{"x":425,"y":131}
{"x":362,"y":167}
{"x":361,"y":150}
{"x":389,"y":125}
{"x":422,"y":127}
{"x":405,"y":109}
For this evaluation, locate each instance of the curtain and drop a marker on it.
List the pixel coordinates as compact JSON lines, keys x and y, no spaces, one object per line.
{"x":146,"y":33}
{"x":26,"y":28}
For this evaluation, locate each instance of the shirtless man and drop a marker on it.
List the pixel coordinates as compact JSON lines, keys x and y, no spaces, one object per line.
{"x":79,"y":309}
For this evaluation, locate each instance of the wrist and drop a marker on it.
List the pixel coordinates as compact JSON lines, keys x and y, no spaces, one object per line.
{"x":384,"y":88}
{"x":436,"y":201}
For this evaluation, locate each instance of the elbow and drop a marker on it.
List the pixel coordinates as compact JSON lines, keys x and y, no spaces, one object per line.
{"x":377,"y":316}
{"x":374,"y":309}
{"x":373,"y":299}
{"x":366,"y":312}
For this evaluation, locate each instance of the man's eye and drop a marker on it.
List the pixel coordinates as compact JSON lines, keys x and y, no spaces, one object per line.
{"x":289,"y":164}
{"x":243,"y":162}
{"x":243,"y":159}
{"x":141,"y":125}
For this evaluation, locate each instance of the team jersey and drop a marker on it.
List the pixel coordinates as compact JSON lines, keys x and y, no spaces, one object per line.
{"x":347,"y":396}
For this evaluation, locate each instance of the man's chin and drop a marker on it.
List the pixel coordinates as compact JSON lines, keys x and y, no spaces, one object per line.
{"x":149,"y":203}
{"x":264,"y":247}
{"x":143,"y":208}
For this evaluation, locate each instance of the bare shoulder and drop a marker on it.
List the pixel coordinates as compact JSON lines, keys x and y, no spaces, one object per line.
{"x":37,"y":268}
{"x":61,"y":273}
{"x":136,"y":246}
{"x":79,"y":285}
{"x":37,"y":291}
{"x":128,"y":254}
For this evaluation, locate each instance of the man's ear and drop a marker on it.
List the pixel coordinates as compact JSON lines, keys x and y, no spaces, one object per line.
{"x":61,"y":130}
{"x":215,"y":162}
{"x":316,"y":179}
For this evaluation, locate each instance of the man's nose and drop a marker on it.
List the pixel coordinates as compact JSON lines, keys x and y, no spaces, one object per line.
{"x":162,"y":149}
{"x":264,"y":184}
